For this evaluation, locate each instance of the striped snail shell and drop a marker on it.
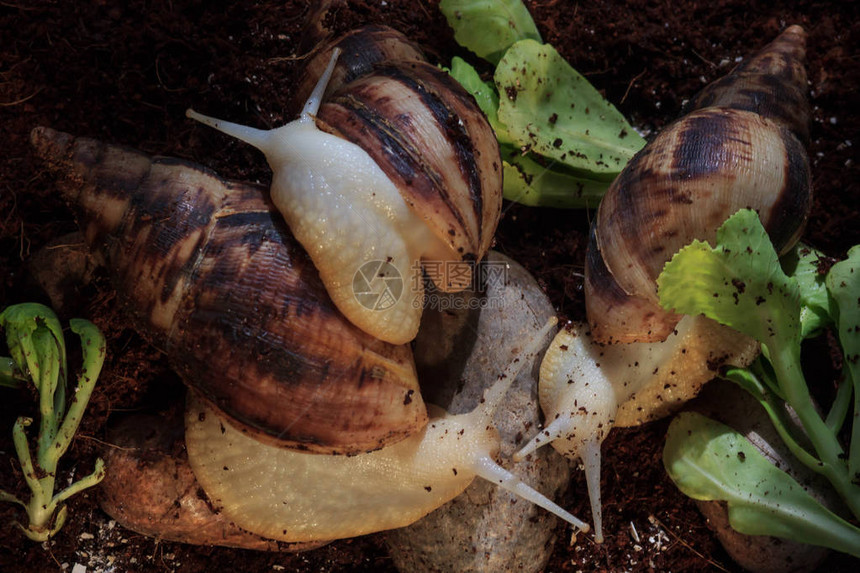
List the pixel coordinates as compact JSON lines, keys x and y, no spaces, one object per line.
{"x":395,"y":164}
{"x":738,"y":148}
{"x":212,"y":276}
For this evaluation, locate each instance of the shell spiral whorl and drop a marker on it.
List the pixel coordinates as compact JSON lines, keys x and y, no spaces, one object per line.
{"x":739,"y":147}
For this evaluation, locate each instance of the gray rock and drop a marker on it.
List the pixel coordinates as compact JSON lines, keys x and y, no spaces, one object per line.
{"x":486,"y":528}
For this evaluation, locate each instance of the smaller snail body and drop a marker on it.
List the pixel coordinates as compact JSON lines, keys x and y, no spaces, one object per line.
{"x":587,"y":388}
{"x":402,"y":167}
{"x":312,"y":497}
{"x":635,"y":361}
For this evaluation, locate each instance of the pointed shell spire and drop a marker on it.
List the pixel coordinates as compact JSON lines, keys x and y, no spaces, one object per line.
{"x":772,"y":84}
{"x":737,"y":149}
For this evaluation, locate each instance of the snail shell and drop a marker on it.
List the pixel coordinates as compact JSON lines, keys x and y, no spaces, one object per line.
{"x":210,"y":273}
{"x":397,"y":165}
{"x":740,"y":152}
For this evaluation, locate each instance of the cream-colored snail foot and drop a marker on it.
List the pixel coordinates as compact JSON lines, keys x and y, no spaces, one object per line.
{"x":312,"y":497}
{"x":150,"y":488}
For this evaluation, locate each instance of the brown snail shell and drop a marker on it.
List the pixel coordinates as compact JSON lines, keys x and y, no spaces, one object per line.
{"x":742,"y":151}
{"x":384,"y":96}
{"x":209,"y":271}
{"x":456,"y":187}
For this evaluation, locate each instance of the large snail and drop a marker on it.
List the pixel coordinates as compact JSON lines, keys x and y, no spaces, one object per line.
{"x":739,"y":147}
{"x":214,"y":277}
{"x":397,"y":165}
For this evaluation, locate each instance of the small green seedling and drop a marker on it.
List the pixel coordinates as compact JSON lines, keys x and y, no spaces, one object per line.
{"x":741,"y":283}
{"x":35,"y":340}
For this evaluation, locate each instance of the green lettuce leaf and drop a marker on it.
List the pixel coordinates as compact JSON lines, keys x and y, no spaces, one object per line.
{"x":531,"y":182}
{"x":843,"y":283}
{"x":549,"y":108}
{"x":739,"y":283}
{"x":804,"y":264}
{"x":484,"y":93}
{"x":489,"y":27}
{"x":708,"y":460}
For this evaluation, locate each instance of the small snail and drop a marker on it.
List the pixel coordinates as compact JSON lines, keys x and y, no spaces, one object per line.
{"x":396,"y":165}
{"x":737,"y":148}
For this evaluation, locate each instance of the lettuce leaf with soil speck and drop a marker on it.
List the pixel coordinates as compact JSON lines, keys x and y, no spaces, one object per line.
{"x":489,"y":27}
{"x":529,"y":181}
{"x":484,"y":93}
{"x":843,"y":284}
{"x":741,"y":283}
{"x":708,"y":460}
{"x":551,"y":109}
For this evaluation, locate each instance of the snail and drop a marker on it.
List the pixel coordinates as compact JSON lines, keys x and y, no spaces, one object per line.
{"x":213,"y":276}
{"x":169,"y":260}
{"x":738,"y":147}
{"x":398,"y":164}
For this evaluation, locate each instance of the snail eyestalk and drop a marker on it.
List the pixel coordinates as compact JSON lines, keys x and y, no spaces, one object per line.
{"x":35,"y":340}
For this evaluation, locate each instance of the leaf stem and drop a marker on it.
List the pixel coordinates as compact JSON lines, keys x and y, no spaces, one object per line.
{"x":832,"y":464}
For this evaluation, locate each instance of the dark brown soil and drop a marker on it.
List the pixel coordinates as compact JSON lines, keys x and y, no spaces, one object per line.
{"x":126,"y":72}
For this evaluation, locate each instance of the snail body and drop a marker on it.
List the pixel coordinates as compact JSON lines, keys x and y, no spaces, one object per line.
{"x":635,"y":361}
{"x":398,"y":165}
{"x":314,"y":498}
